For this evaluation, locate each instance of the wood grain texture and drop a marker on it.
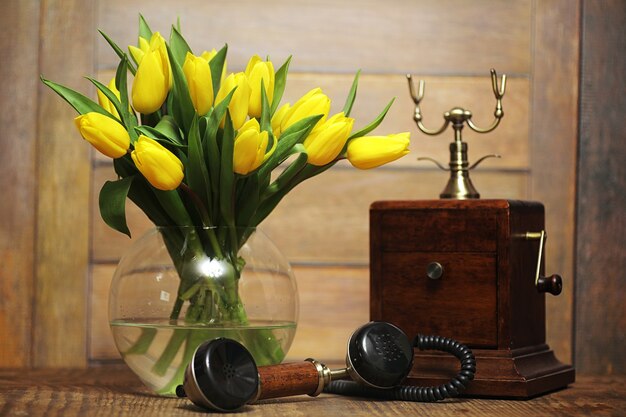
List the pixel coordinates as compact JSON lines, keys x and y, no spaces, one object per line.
{"x":601,"y":260}
{"x":18,"y":146}
{"x":288,"y":379}
{"x":553,"y":151}
{"x":391,"y":37}
{"x":59,"y":322}
{"x":107,"y":391}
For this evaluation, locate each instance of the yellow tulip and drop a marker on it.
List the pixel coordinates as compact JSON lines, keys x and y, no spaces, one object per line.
{"x":153,"y":78}
{"x":278,"y":118}
{"x":138,"y":53}
{"x":198,"y":75}
{"x":238,"y":106}
{"x":209,"y":55}
{"x":259,"y":71}
{"x":250,"y":149}
{"x":373,"y":151}
{"x":104,"y":133}
{"x":312,"y":103}
{"x":324,"y":144}
{"x":105,"y":103}
{"x":158,"y":165}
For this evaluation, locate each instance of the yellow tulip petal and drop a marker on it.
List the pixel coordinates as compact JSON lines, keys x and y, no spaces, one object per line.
{"x":245,"y":151}
{"x":151,"y":85}
{"x":259,"y":73}
{"x":326,"y":143}
{"x":313,"y":103}
{"x":157,"y":164}
{"x":105,"y":134}
{"x":238,"y":106}
{"x":198,"y":75}
{"x":278,"y":118}
{"x":105,"y":103}
{"x":373,"y":151}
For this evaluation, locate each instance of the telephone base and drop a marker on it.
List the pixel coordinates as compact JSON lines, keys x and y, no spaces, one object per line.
{"x":516,"y":373}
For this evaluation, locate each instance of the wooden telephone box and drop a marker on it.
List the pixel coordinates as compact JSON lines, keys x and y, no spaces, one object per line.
{"x":470,"y":270}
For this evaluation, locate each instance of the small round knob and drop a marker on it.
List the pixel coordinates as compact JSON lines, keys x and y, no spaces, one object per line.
{"x":434,"y":270}
{"x":552,"y":284}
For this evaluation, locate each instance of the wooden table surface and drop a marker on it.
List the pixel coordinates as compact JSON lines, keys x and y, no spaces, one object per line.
{"x":114,"y":391}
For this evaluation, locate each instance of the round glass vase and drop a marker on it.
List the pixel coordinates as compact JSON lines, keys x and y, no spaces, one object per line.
{"x":176,"y":287}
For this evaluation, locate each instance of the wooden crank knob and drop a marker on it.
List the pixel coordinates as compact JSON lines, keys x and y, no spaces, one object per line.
{"x":552,"y":284}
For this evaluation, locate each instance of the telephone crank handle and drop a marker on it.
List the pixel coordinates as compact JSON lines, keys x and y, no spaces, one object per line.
{"x":552,"y":284}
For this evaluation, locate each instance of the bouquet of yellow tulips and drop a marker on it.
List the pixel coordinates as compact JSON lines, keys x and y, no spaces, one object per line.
{"x":194,"y":145}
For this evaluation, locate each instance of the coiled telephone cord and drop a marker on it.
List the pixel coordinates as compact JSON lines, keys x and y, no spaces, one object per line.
{"x":418,"y":394}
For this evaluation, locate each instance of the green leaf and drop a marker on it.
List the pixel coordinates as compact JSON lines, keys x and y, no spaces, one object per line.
{"x":120,"y":53}
{"x":196,"y":170}
{"x":212,"y":156}
{"x":293,"y":169}
{"x":109,"y":94}
{"x":121,"y":83}
{"x":144,"y":29}
{"x":168,"y":127}
{"x":179,"y":46}
{"x":156,"y":134}
{"x":125,"y":167}
{"x":374,"y":124}
{"x":112,"y":201}
{"x":79,"y":102}
{"x":128,"y":119}
{"x":182,"y":108}
{"x":217,"y":67}
{"x":248,"y":199}
{"x":347,"y":108}
{"x":280,"y":81}
{"x":220,"y":108}
{"x":227,"y":175}
{"x":173,"y":205}
{"x":215,"y":117}
{"x":266,"y":117}
{"x":142,"y":193}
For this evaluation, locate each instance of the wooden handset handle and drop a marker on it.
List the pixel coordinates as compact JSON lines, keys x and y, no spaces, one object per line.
{"x":291,"y":379}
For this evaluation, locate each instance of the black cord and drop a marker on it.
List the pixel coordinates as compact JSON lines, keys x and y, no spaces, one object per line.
{"x":420,"y":394}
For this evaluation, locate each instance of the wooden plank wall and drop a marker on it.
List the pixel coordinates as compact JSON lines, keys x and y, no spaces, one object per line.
{"x":45,"y":213}
{"x":59,"y":257}
{"x":63,"y":187}
{"x":17,"y":163}
{"x":553,"y":151}
{"x":601,"y":258}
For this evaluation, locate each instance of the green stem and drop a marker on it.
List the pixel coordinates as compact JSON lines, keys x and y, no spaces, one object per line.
{"x":143,"y":342}
{"x":192,"y":340}
{"x":162,"y":364}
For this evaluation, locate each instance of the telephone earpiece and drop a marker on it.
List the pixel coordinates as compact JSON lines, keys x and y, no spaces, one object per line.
{"x":223,"y":375}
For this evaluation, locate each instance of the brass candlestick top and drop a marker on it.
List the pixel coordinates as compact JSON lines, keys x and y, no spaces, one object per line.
{"x":459,"y":185}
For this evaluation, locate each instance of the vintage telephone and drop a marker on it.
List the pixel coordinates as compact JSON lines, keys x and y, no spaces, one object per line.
{"x":223,"y":376}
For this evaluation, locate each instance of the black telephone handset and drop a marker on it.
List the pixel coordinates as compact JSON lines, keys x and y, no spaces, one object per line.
{"x":223,"y":376}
